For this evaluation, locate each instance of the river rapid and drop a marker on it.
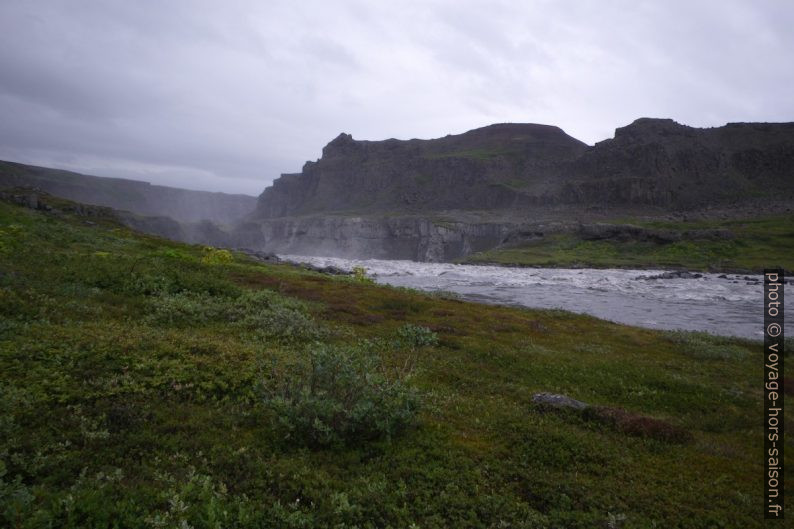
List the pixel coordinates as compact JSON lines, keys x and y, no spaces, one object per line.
{"x":730,"y":305}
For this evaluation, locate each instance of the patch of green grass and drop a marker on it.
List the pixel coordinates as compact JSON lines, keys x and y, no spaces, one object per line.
{"x":137,"y":383}
{"x":757,"y":244}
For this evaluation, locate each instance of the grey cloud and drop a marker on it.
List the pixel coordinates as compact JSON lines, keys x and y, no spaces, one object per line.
{"x":227,"y":95}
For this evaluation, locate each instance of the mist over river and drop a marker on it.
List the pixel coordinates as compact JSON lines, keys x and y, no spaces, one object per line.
{"x":719,"y":305}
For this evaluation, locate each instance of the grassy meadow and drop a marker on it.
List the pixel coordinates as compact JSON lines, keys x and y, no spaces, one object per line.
{"x":147,"y":383}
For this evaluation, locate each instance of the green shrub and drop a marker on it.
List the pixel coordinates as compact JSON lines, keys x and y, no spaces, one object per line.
{"x":185,"y":308}
{"x":415,"y":336}
{"x":272,"y":315}
{"x":265,"y":313}
{"x":198,"y":501}
{"x":340,"y":394}
{"x":215,"y":256}
{"x":286,"y":324}
{"x":173,"y":253}
{"x":360,"y":275}
{"x":16,"y":500}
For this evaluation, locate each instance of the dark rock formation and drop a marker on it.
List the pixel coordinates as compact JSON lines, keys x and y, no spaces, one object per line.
{"x":495,"y":167}
{"x":398,"y":237}
{"x":379,"y":198}
{"x":523,"y":167}
{"x":675,"y":274}
{"x":625,"y":232}
{"x":262,"y":257}
{"x":660,"y":162}
{"x":554,"y":400}
{"x":628,"y":232}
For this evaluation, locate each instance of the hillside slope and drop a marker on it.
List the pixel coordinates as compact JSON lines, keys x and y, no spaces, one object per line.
{"x":143,"y":198}
{"x":151,"y":383}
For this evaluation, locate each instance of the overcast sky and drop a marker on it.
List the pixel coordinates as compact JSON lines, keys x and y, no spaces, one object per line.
{"x":226,"y":95}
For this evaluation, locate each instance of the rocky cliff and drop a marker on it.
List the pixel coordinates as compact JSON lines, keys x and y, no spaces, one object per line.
{"x":501,"y":183}
{"x":660,"y":162}
{"x":522,"y":166}
{"x":494,"y":167}
{"x":377,"y":237}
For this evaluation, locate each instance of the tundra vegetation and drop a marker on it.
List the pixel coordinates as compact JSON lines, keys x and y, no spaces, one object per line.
{"x":147,"y":383}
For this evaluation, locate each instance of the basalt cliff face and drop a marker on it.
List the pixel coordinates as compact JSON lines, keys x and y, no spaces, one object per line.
{"x":662,"y":163}
{"x":494,"y":167}
{"x":444,"y":198}
{"x":376,"y":237}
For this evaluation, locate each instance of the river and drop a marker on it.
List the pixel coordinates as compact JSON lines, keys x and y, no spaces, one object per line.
{"x":729,"y":305}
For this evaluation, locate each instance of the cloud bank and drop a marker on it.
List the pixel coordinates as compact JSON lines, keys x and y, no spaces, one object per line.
{"x":225,"y":96}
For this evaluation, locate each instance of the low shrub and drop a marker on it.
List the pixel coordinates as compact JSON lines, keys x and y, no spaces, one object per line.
{"x":265,"y":313}
{"x":336,"y":395}
{"x":360,"y":275}
{"x":271,"y":315}
{"x":215,"y":256}
{"x":185,"y":308}
{"x":414,"y":337}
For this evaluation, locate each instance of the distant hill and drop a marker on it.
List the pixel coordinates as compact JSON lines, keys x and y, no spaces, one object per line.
{"x":520,"y":167}
{"x":143,"y":198}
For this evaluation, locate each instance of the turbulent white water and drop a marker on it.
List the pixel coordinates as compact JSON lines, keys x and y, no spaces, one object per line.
{"x":718,"y":305}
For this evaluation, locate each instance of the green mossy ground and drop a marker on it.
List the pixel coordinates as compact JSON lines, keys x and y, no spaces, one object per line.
{"x":126,"y":402}
{"x":757,"y":244}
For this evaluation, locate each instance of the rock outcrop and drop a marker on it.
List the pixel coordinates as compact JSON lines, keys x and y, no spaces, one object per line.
{"x":396,"y":237}
{"x":629,"y":232}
